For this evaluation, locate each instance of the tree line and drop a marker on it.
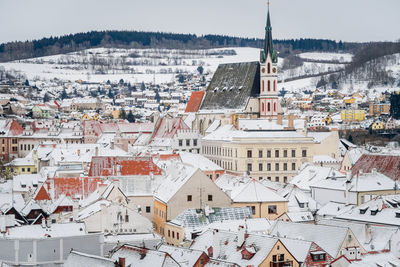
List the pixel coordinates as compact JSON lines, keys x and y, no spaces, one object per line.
{"x":138,"y":39}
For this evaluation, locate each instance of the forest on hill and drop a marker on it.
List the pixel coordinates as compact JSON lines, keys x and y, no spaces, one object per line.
{"x":138,"y":39}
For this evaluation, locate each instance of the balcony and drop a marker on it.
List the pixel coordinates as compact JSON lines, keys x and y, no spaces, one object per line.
{"x":281,"y":263}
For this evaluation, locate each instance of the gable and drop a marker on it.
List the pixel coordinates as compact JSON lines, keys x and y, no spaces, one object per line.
{"x":232,"y":85}
{"x":388,"y":165}
{"x":195,"y":101}
{"x":42,"y":194}
{"x":278,"y":249}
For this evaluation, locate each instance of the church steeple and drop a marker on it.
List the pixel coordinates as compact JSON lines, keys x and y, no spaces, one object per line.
{"x":268,"y":45}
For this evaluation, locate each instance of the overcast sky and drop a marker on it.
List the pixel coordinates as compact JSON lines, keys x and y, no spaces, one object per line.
{"x":349,"y":20}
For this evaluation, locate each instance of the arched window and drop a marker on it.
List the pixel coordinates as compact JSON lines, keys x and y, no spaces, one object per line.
{"x":275,"y":85}
{"x":263,"y":107}
{"x":269,"y":68}
{"x":262,"y":85}
{"x":269,"y":86}
{"x":274,"y":107}
{"x":269,"y":107}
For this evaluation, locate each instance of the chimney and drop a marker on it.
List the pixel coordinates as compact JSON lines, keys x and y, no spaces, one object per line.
{"x":112,"y":145}
{"x":291,"y":121}
{"x":121,"y":262}
{"x":216,"y":245}
{"x":241,"y":236}
{"x":279,"y":119}
{"x":97,"y":151}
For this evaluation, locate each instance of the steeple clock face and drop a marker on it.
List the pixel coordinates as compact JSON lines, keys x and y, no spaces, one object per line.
{"x":263,"y":70}
{"x":274,"y":70}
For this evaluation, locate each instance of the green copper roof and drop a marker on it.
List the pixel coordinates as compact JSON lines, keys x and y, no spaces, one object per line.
{"x":268,"y":45}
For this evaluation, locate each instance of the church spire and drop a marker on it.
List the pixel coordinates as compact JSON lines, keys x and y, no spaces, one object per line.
{"x":268,"y":45}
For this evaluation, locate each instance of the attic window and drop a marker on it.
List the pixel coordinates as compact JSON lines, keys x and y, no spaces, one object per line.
{"x":397,"y":214}
{"x":318,"y":255}
{"x":364,"y":210}
{"x":374,"y":212}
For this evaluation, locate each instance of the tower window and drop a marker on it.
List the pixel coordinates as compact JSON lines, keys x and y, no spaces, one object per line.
{"x":269,"y":86}
{"x":274,"y":85}
{"x":263,"y":107}
{"x":268,"y":68}
{"x":262,"y":85}
{"x":269,"y":107}
{"x":274,"y":107}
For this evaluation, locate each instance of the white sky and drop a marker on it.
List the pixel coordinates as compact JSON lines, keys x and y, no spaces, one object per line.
{"x":349,"y":20}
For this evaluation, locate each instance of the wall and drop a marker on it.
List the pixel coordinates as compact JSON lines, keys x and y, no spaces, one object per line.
{"x":278,"y":249}
{"x":261,"y":209}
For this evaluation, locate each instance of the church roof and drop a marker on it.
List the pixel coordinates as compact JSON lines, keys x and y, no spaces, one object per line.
{"x":232,"y":85}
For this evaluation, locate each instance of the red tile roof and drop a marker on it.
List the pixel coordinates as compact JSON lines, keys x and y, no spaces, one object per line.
{"x":73,"y":186}
{"x":168,"y":127}
{"x":388,"y":165}
{"x":42,"y":194}
{"x":113,"y":166}
{"x":194,"y":102}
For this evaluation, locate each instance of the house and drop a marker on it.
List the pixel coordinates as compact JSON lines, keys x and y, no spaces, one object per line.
{"x":382,"y":210}
{"x":9,"y":131}
{"x":185,"y":256}
{"x":76,"y":258}
{"x":334,"y":240}
{"x":191,"y":222}
{"x":184,"y":186}
{"x":353,"y":189}
{"x":128,"y":255}
{"x":350,"y":158}
{"x":383,"y":163}
{"x":20,"y":166}
{"x":247,"y":249}
{"x":113,"y":218}
{"x":245,"y":192}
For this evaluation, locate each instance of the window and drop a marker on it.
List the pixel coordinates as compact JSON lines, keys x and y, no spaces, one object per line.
{"x":253,"y":210}
{"x":260,"y":153}
{"x":318,"y":256}
{"x":177,"y":235}
{"x":268,"y":166}
{"x":187,"y":142}
{"x":269,"y":107}
{"x":269,"y":86}
{"x":268,"y":153}
{"x":293,"y":166}
{"x":147,"y":209}
{"x":262,"y":87}
{"x":269,"y":68}
{"x":260,"y":167}
{"x":173,"y":234}
{"x":275,"y":85}
{"x":269,"y":178}
{"x":249,"y":167}
{"x":189,"y":197}
{"x":285,"y":153}
{"x":23,"y":169}
{"x":194,"y":142}
{"x":276,"y":166}
{"x":272,"y":209}
{"x":276,"y":153}
{"x":169,"y":233}
{"x":180,"y":142}
{"x":293,"y":153}
{"x":277,"y":179}
{"x":285,"y":179}
{"x":285,"y":166}
{"x":304,"y":153}
{"x":126,"y":218}
{"x":249,"y":153}
{"x":210,"y":198}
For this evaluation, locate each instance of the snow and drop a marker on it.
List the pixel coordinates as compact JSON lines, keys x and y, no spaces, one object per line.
{"x":39,"y":232}
{"x":199,"y":161}
{"x":341,"y":57}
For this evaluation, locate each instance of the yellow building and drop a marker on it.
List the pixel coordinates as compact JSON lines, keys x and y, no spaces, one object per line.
{"x":92,"y":117}
{"x":352,"y":115}
{"x":376,"y":109}
{"x":20,"y":166}
{"x":349,"y":100}
{"x":378,"y":126}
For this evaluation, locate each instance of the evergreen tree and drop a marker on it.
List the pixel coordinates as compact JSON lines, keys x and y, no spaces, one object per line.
{"x":110,"y":94}
{"x":64,"y":94}
{"x":157,"y":97}
{"x":46,"y":98}
{"x":122,"y":114}
{"x":142,"y":86}
{"x":130,"y":117}
{"x":26,"y":83}
{"x":200,"y":69}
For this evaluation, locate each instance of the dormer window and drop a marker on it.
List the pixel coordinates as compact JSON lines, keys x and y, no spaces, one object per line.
{"x":363,"y":211}
{"x":318,"y":255}
{"x":374,"y":212}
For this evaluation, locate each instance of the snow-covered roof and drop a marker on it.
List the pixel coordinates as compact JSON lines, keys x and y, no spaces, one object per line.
{"x":247,"y":190}
{"x":76,"y":258}
{"x":199,"y":161}
{"x":53,"y":230}
{"x":184,"y":256}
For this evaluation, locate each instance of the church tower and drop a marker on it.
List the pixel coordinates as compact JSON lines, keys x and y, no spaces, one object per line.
{"x":269,"y":102}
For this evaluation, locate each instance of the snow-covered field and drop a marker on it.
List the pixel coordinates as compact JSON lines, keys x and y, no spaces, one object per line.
{"x":342,"y":57}
{"x":133,"y":65}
